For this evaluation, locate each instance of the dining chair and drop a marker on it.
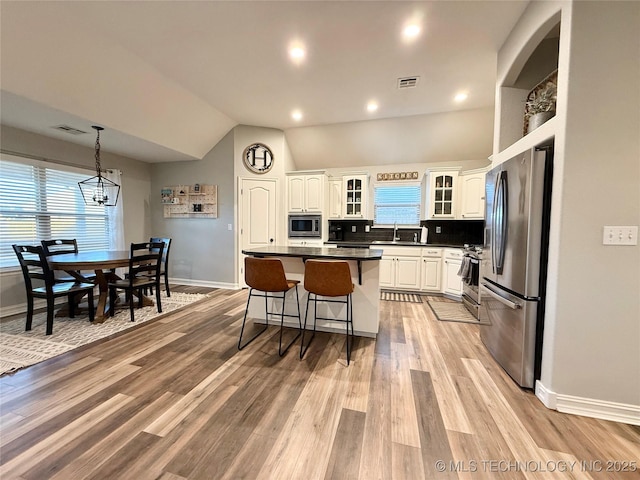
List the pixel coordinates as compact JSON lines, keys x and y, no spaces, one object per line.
{"x":144,"y":271}
{"x":266,"y":275}
{"x":59,"y":247}
{"x":328,"y":278}
{"x":34,"y":265}
{"x":164,"y":269}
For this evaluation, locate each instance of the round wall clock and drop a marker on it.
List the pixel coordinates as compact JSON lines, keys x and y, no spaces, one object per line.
{"x":258,"y":158}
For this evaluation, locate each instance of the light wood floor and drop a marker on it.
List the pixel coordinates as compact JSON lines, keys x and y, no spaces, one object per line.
{"x":174,"y":399}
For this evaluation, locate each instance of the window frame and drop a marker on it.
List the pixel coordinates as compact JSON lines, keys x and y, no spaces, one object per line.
{"x":43,"y":217}
{"x":414,"y":184}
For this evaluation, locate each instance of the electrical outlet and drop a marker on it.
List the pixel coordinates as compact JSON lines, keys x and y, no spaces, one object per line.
{"x":438,"y":229}
{"x":624,"y":235}
{"x":353,"y":228}
{"x":229,"y":227}
{"x":367,"y":228}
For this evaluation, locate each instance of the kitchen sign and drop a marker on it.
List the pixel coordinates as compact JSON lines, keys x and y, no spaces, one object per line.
{"x":397,"y":176}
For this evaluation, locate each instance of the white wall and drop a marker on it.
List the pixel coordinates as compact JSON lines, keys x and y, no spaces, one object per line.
{"x":440,"y":137}
{"x":134,"y":193}
{"x":597,"y":331}
{"x":244,"y":136}
{"x":592,"y":327}
{"x":201,"y":247}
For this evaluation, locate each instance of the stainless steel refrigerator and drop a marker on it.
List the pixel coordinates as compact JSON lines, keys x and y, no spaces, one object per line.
{"x":514,"y":263}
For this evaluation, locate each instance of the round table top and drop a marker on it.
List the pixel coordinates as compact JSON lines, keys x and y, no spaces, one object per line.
{"x":90,"y":260}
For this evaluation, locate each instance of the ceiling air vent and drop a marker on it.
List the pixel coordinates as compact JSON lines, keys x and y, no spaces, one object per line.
{"x":68,"y":129}
{"x":408,"y":82}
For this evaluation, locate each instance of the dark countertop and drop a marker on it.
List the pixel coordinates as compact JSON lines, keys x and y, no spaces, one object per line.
{"x":381,"y":244}
{"x":360,"y":254}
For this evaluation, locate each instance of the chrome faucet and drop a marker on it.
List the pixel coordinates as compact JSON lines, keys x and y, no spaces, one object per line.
{"x":395,"y":232}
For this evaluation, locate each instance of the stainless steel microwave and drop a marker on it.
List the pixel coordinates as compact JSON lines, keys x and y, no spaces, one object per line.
{"x":305,"y":226}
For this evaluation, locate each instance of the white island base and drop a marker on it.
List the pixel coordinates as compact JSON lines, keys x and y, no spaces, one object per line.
{"x":366,"y":301}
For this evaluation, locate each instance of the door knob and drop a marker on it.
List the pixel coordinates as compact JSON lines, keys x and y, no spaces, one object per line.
{"x":271,"y":240}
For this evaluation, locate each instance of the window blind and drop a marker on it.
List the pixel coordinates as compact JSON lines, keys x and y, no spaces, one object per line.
{"x":39,"y":202}
{"x":397,"y":204}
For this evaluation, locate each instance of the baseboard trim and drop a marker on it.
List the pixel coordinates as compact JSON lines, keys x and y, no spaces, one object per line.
{"x":203,"y":283}
{"x":22,"y":307}
{"x":589,"y":407}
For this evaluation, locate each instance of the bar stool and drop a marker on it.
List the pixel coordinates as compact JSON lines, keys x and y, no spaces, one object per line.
{"x":328,"y":279}
{"x":267,"y":276}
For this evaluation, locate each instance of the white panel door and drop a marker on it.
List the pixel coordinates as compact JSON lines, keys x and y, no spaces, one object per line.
{"x":431,"y":274}
{"x":295,"y":194}
{"x":258,"y":224}
{"x":452,"y":282}
{"x":472,"y":206}
{"x":335,"y":198}
{"x":408,"y":272}
{"x":314,"y":193}
{"x":387,"y":271}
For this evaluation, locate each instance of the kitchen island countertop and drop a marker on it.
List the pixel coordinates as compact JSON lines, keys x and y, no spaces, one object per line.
{"x":359,"y":254}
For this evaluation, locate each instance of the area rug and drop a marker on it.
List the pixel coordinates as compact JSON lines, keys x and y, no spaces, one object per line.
{"x":452,"y":312}
{"x":19,"y":349}
{"x":400,"y":297}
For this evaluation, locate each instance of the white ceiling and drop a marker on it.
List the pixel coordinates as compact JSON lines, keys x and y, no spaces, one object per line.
{"x":169,"y":79}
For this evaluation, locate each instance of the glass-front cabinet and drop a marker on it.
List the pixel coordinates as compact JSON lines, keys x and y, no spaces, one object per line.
{"x":442,"y":194}
{"x":355,"y":196}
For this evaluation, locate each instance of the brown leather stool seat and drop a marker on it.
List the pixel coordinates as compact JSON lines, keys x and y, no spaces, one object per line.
{"x":328,"y":278}
{"x":266,"y":275}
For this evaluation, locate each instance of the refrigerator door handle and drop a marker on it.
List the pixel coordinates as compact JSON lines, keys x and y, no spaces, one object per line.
{"x":501,"y":299}
{"x":500,"y":213}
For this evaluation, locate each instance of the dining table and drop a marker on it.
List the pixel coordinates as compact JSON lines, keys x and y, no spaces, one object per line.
{"x":103,"y":263}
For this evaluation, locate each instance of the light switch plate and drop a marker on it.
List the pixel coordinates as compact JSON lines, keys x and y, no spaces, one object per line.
{"x":620,"y":235}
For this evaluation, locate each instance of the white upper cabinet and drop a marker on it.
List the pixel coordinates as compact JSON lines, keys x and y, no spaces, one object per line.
{"x":355,"y":196}
{"x":305,"y":193}
{"x":441,"y":198}
{"x":472,"y":195}
{"x":335,"y":198}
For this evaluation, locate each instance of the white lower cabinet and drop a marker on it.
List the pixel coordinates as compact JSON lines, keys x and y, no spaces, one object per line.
{"x":431,"y":270}
{"x":400,"y":268}
{"x":451,"y":282}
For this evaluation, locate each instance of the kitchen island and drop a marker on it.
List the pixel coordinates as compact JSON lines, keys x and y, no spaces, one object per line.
{"x":365,"y":271}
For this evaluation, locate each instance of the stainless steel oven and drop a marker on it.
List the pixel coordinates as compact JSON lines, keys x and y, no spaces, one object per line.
{"x":472,"y":261}
{"x":306,"y":226}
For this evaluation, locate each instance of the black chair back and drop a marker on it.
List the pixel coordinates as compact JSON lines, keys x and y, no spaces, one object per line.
{"x":165,"y":252}
{"x":59,"y":246}
{"x":164,"y":270}
{"x":145,"y":261}
{"x":34,"y":265}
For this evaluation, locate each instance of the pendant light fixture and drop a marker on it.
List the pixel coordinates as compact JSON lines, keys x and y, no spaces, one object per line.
{"x":99,"y":190}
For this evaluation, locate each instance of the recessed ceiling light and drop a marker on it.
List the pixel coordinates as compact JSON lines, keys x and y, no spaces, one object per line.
{"x":411,"y":31}
{"x":461,"y":97}
{"x":372,"y":106}
{"x":296,"y":115}
{"x":297,"y":53}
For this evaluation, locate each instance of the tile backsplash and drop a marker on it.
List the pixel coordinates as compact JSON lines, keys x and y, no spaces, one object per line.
{"x":449,"y":232}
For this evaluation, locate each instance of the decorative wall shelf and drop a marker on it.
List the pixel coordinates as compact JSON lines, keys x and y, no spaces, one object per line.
{"x":190,"y":201}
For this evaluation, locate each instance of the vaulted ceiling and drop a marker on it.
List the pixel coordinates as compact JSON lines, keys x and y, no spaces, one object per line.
{"x":169,"y":79}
